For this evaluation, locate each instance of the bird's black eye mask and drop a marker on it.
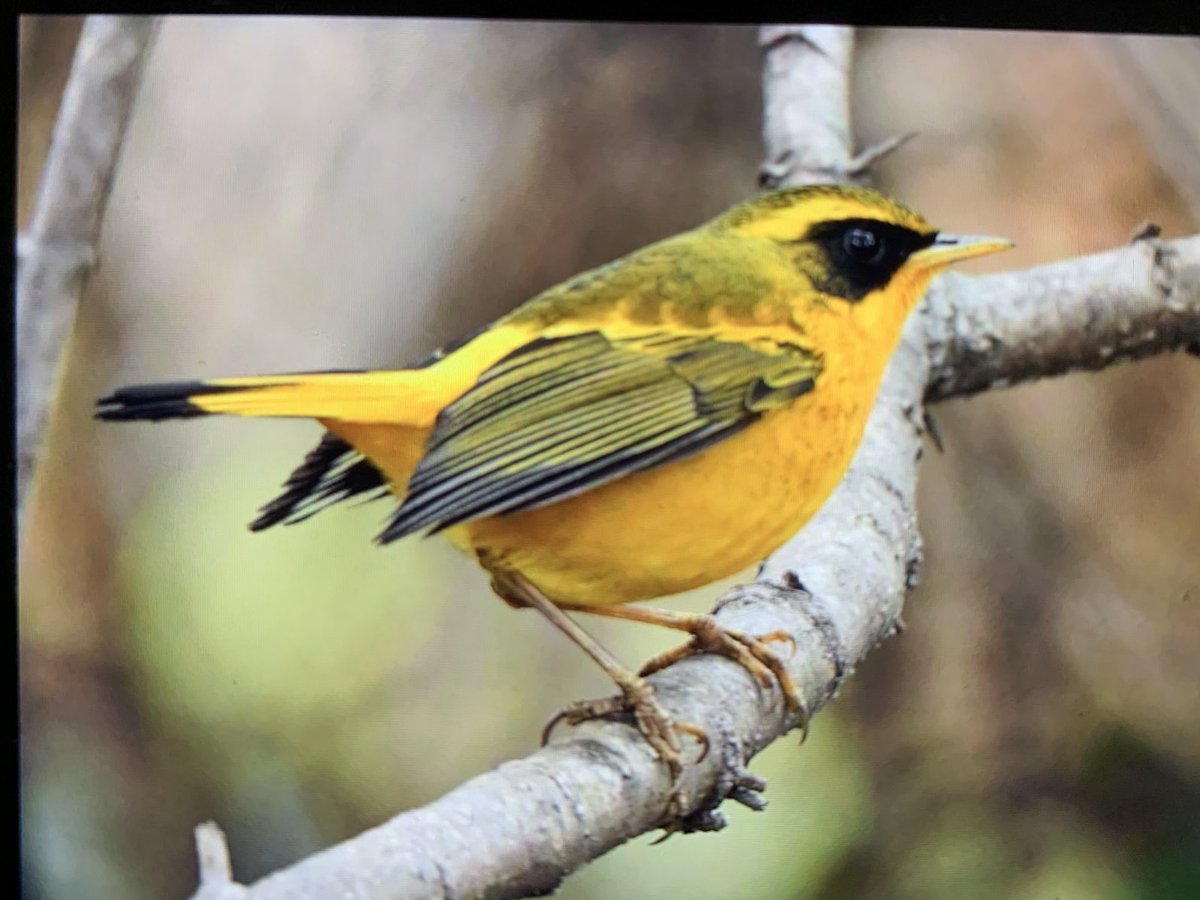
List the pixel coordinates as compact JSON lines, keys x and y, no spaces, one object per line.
{"x":861,"y":255}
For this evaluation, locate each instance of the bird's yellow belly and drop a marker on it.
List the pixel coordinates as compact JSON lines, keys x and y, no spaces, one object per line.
{"x":684,"y":524}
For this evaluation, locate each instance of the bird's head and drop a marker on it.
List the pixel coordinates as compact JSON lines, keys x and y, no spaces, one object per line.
{"x":854,"y":244}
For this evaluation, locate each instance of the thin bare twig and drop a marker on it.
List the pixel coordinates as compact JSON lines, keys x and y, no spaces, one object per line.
{"x":216,"y":873}
{"x":864,"y":162}
{"x":57,"y":254}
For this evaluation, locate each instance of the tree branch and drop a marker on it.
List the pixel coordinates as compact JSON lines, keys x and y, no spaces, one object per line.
{"x":1082,"y":314}
{"x":57,"y":254}
{"x":806,"y":104}
{"x":837,"y":588}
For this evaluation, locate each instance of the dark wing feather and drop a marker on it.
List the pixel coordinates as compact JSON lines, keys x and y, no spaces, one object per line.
{"x":332,"y":471}
{"x":563,"y":415}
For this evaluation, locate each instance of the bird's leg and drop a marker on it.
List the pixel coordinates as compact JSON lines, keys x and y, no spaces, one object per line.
{"x":709,"y":636}
{"x":637,"y":696}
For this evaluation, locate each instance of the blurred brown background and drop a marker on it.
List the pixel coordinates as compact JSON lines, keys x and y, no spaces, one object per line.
{"x":305,"y":193}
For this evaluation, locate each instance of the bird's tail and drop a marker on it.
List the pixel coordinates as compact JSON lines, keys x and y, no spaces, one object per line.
{"x":399,"y":397}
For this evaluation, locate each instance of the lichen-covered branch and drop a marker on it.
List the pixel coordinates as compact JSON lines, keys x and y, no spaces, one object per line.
{"x":837,"y":588}
{"x":59,"y":250}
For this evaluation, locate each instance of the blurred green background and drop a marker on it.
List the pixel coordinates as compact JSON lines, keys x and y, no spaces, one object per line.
{"x":304,"y":193}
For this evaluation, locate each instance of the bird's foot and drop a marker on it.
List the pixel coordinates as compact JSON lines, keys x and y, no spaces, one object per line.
{"x":653,"y":721}
{"x":749,"y":651}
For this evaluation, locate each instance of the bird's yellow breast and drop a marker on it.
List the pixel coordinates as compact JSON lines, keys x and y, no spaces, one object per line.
{"x":698,"y":519}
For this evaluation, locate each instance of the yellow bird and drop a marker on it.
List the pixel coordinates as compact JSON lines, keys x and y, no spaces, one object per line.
{"x":643,"y":428}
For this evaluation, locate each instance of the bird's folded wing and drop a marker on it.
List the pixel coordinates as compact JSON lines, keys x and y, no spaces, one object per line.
{"x":562,"y":415}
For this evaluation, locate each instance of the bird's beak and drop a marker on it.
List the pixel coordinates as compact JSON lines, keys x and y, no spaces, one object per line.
{"x":948,"y":248}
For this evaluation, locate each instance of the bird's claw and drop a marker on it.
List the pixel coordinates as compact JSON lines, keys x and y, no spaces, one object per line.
{"x":749,"y":651}
{"x":655,"y":724}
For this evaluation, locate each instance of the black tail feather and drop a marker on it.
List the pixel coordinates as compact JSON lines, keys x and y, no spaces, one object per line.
{"x":153,"y":402}
{"x":332,"y":471}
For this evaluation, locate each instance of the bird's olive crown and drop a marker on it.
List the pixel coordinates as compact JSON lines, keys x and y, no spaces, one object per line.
{"x":849,"y":241}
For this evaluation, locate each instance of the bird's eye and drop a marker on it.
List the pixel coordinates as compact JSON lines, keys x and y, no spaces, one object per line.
{"x":863,"y":245}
